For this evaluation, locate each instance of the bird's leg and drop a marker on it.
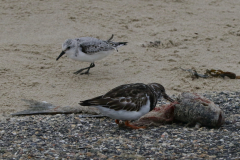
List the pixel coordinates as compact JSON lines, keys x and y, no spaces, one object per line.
{"x":79,"y":71}
{"x":88,"y":68}
{"x":132,"y":126}
{"x":91,"y":66}
{"x":117,"y":121}
{"x":119,"y":124}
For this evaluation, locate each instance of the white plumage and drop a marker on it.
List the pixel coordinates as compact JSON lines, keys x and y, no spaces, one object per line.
{"x":88,"y":49}
{"x":123,"y":114}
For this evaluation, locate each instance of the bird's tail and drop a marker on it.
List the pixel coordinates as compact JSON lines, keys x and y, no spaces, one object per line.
{"x":85,"y":103}
{"x":90,"y":102}
{"x":118,"y":44}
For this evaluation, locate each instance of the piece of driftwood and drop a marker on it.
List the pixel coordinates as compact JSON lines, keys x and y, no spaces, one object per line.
{"x":36,"y":107}
{"x":190,"y":108}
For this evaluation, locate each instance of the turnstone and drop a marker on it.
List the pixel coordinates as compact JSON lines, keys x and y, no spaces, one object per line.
{"x":128,"y":102}
{"x":88,"y":49}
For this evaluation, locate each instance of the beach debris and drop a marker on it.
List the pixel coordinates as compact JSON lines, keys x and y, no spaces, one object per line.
{"x":152,"y":44}
{"x":193,"y":108}
{"x":211,"y":73}
{"x":194,"y":73}
{"x":190,"y":108}
{"x":220,"y":73}
{"x":36,"y":107}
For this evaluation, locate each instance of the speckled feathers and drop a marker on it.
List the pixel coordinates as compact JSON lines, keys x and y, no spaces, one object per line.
{"x":129,"y":97}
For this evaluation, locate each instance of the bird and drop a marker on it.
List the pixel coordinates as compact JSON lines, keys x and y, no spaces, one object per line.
{"x":89,"y":49}
{"x":128,"y":101}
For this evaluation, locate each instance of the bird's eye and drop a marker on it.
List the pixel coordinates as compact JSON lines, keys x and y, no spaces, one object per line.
{"x":68,"y":48}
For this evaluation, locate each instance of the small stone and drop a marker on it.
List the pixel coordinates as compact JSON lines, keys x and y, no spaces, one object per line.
{"x":230,"y":145}
{"x":203,"y":156}
{"x":102,"y":156}
{"x":237,"y":124}
{"x":89,"y":154}
{"x":210,"y":157}
{"x":164,"y":135}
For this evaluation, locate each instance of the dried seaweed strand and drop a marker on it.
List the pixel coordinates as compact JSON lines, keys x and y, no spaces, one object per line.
{"x":212,"y":72}
{"x":220,"y":73}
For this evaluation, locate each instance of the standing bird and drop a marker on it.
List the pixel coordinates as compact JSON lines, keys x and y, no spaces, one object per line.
{"x":128,"y":101}
{"x":88,"y":49}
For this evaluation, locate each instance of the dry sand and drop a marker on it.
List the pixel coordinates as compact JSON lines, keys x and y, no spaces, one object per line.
{"x":194,"y":34}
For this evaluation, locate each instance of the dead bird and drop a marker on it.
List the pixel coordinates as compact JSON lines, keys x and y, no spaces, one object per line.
{"x":195,"y":109}
{"x":190,"y":108}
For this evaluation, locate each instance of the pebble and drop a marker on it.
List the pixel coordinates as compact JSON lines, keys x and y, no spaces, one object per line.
{"x":237,"y":124}
{"x":70,"y":137}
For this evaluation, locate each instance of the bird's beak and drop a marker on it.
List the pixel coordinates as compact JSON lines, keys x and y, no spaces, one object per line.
{"x":168,"y":98}
{"x":61,"y":54}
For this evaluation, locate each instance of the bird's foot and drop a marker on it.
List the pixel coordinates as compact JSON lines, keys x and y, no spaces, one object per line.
{"x":120,"y":125}
{"x":88,"y":68}
{"x":79,"y":71}
{"x":87,"y":72}
{"x":132,"y":126}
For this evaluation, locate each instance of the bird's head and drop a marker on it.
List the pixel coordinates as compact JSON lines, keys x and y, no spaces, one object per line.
{"x":159,"y":90}
{"x":68,"y":47}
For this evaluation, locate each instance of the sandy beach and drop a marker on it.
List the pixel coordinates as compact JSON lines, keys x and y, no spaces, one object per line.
{"x":196,"y":35}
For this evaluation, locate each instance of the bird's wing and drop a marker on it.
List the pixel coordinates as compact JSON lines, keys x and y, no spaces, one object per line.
{"x":92,"y":46}
{"x":130,"y":97}
{"x":84,"y":39}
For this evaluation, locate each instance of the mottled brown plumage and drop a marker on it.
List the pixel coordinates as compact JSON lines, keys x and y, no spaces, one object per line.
{"x":129,"y":97}
{"x":136,"y":98}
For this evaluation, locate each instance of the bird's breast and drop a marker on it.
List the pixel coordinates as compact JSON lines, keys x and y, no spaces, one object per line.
{"x":124,"y":114}
{"x":89,"y":57}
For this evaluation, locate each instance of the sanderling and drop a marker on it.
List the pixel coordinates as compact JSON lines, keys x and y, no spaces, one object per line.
{"x":128,"y":101}
{"x":88,"y":49}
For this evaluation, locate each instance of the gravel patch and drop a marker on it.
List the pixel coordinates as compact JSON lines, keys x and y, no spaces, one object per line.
{"x":71,"y":137}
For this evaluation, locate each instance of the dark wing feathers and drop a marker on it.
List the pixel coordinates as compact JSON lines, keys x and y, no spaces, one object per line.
{"x":128,"y":97}
{"x":90,"y":102}
{"x":95,"y":46}
{"x":91,"y":45}
{"x":128,"y":90}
